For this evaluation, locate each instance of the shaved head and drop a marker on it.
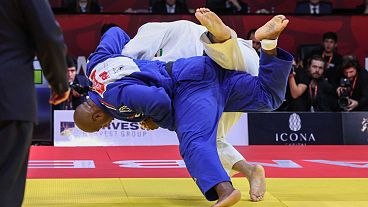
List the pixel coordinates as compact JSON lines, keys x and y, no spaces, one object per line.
{"x":90,"y":118}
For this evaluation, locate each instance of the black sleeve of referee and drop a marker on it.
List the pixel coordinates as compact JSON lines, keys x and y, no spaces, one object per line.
{"x":49,"y":42}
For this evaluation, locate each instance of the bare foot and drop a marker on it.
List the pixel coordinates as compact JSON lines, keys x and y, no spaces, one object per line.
{"x":257,"y":183}
{"x":230,"y":200}
{"x":272,"y":29}
{"x":214,"y":24}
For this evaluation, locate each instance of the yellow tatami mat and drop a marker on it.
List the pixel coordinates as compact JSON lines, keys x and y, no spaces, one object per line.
{"x":170,"y":192}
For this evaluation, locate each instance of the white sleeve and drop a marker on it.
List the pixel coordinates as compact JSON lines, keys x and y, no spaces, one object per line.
{"x":227,"y":153}
{"x":166,"y":41}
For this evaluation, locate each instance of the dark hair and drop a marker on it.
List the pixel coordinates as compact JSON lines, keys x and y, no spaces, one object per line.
{"x":330,"y":35}
{"x":349,"y":61}
{"x":252,"y":31}
{"x":106,"y":27}
{"x":318,"y":58}
{"x":70,"y":62}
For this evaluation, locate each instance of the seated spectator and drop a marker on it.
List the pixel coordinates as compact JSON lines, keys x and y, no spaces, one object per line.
{"x":353,"y":89}
{"x":82,"y":6}
{"x":309,"y":91}
{"x":256,"y":44}
{"x":170,"y":7}
{"x":363,"y":8}
{"x":79,"y":87}
{"x":313,"y":7}
{"x":227,"y":6}
{"x":331,"y":57}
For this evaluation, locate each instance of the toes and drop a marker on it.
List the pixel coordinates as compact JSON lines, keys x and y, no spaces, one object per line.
{"x":253,"y":198}
{"x":256,"y":198}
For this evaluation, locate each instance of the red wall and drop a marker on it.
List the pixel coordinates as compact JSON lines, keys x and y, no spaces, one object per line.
{"x":82,"y":32}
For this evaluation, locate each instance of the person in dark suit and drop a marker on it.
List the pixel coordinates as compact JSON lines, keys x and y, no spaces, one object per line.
{"x":170,"y":7}
{"x":27,"y":27}
{"x":313,"y":7}
{"x":227,"y":6}
{"x":81,"y":6}
{"x":362,"y":8}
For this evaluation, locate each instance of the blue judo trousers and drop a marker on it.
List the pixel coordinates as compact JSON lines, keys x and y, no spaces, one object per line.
{"x":189,"y":101}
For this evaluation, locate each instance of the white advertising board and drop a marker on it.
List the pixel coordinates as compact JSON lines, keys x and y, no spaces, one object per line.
{"x":121,"y":133}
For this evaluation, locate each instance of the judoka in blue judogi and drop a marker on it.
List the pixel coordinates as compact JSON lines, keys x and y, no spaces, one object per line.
{"x":187,"y":97}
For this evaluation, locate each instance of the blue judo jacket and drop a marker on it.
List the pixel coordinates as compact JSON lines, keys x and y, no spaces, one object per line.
{"x":127,"y":89}
{"x":132,"y":90}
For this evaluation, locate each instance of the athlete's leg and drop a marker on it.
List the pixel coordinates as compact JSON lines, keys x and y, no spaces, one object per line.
{"x":198,"y":107}
{"x":233,"y":162}
{"x":219,"y":32}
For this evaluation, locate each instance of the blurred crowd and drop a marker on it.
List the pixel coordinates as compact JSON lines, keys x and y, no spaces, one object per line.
{"x":312,"y":7}
{"x":323,"y":80}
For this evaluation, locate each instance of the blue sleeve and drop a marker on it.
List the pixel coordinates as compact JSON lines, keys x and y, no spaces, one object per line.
{"x":113,"y":41}
{"x":111,"y":45}
{"x":265,"y":92}
{"x":274,"y":73}
{"x":152,"y":102}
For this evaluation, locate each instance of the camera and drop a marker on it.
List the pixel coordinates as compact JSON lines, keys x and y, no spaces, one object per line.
{"x":83,"y":90}
{"x":344,"y":95}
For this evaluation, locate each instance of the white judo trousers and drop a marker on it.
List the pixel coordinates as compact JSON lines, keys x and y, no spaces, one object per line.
{"x":169,"y":41}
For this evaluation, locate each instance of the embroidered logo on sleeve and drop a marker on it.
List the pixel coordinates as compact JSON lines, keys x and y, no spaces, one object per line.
{"x":98,"y":87}
{"x":125,"y":109}
{"x":111,"y":70}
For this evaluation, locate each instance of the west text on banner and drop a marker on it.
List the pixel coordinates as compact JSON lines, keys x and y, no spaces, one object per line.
{"x":121,"y":133}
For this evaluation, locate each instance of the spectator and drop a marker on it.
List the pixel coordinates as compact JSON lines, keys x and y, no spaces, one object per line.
{"x":82,"y":6}
{"x":28,"y":27}
{"x":309,"y":90}
{"x":353,"y":89}
{"x":331,"y":57}
{"x":170,"y":7}
{"x":256,"y":44}
{"x":313,"y":7}
{"x":79,"y":87}
{"x":363,"y":8}
{"x":227,"y":6}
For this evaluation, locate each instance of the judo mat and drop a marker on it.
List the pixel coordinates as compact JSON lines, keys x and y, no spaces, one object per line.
{"x":318,"y":176}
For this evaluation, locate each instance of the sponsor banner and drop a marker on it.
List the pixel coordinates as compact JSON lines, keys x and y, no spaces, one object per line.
{"x":355,"y":127}
{"x":121,"y":133}
{"x":295,"y":128}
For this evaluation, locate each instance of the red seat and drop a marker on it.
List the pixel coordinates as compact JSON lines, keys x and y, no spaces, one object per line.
{"x":55,"y":3}
{"x":194,"y":4}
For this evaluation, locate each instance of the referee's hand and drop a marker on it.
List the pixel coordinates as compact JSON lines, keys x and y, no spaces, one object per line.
{"x":56,"y":99}
{"x":149,"y":124}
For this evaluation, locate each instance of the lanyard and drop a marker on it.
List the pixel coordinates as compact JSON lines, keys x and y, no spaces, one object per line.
{"x":353,"y":86}
{"x":329,"y":60}
{"x":313,"y":93}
